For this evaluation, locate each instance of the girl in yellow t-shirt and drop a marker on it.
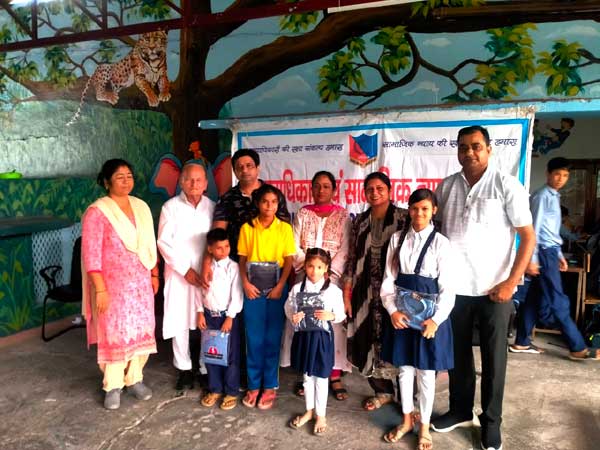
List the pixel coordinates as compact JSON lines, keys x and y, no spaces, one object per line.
{"x":266,"y":248}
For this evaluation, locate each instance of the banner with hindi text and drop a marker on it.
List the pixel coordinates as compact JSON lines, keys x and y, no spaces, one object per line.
{"x":415,"y":149}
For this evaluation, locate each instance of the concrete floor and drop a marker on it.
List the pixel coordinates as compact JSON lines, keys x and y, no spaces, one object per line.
{"x":50,"y":399}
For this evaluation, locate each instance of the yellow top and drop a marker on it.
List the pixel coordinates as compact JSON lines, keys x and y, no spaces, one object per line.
{"x":271,"y":244}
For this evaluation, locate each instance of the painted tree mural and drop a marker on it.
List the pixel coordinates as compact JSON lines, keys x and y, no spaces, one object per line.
{"x":338,"y":37}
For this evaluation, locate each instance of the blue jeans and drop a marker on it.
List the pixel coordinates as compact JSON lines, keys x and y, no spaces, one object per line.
{"x":264,"y":319}
{"x":551,"y":304}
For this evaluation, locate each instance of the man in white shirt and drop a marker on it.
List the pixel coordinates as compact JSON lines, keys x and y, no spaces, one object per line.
{"x":481,"y":211}
{"x":184,"y":221}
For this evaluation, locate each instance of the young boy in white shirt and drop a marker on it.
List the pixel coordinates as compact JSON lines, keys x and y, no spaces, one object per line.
{"x":218,"y":308}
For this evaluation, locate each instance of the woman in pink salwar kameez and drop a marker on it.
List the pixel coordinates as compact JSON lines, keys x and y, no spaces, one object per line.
{"x":120,"y":280}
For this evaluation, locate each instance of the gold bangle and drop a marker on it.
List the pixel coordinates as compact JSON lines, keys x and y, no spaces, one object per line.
{"x":100,"y":292}
{"x":154,"y":276}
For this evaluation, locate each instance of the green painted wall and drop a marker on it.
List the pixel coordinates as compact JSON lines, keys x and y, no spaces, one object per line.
{"x":39,"y":147}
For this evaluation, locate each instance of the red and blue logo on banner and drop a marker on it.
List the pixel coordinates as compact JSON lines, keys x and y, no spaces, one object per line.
{"x":363,"y":148}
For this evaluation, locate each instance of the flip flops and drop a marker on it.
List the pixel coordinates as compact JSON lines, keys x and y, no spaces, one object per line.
{"x":229,"y":402}
{"x":425,"y":443}
{"x":396,"y":434}
{"x":296,"y":423}
{"x":592,"y":354}
{"x":267,"y":399}
{"x":250,"y":398}
{"x":210,"y":399}
{"x":319,"y":430}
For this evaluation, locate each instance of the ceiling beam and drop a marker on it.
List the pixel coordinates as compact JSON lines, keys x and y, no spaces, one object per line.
{"x":94,"y":35}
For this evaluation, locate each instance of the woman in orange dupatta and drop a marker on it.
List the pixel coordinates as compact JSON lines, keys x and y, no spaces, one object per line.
{"x":120,"y":278}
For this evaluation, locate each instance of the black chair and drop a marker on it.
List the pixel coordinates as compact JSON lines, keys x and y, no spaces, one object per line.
{"x":68,"y":293}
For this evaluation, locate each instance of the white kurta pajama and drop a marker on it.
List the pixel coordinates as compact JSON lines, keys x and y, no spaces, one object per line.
{"x":182,"y":241}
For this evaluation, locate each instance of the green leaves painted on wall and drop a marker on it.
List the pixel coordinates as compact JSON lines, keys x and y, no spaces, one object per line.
{"x":24,"y":70}
{"x":561,"y":68}
{"x":155,"y":9}
{"x":106,"y":51}
{"x":396,"y":54}
{"x":80,"y":22}
{"x":339,"y":71}
{"x":57,"y":59}
{"x":61,"y":197}
{"x":297,"y":23}
{"x":16,"y":293}
{"x":513,"y":62}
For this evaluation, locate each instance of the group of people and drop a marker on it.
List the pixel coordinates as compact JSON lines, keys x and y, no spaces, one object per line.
{"x":241,"y":266}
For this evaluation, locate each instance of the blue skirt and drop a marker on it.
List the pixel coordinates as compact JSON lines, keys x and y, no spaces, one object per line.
{"x":410,"y":348}
{"x":313,"y":353}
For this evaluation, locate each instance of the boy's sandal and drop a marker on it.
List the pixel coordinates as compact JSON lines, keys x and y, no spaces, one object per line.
{"x":299,"y":389}
{"x":267,"y":399}
{"x":229,"y":402}
{"x":210,"y":399}
{"x":425,"y":443}
{"x":590,"y":354}
{"x":340,"y":393}
{"x":298,"y":422}
{"x":376,"y":402}
{"x":396,"y":434}
{"x":319,"y":430}
{"x":250,"y":398}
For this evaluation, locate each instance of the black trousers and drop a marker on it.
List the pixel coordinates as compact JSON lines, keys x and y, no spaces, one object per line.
{"x":493,"y":328}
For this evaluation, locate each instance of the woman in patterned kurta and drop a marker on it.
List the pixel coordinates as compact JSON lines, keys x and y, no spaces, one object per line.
{"x":325,"y":225}
{"x":120,"y":280}
{"x":371,"y":233}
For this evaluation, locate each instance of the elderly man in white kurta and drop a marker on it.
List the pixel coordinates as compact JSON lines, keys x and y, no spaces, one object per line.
{"x":184,"y":221}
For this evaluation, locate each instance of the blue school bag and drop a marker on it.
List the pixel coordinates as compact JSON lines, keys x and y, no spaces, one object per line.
{"x":215,"y":347}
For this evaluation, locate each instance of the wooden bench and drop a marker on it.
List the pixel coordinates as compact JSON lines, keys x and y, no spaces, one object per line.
{"x":588,"y":298}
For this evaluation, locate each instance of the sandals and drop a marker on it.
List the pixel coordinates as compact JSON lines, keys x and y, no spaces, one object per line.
{"x":299,"y":389}
{"x":396,"y":434}
{"x":297,"y":422}
{"x":320,"y":429}
{"x":250,"y":398}
{"x":425,"y":442}
{"x":267,"y":399}
{"x":591,"y":354}
{"x":210,"y":399}
{"x":376,"y":402}
{"x":229,"y":402}
{"x":340,"y":393}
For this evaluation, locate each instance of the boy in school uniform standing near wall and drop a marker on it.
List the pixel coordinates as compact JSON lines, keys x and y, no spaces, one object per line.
{"x":546,"y":264}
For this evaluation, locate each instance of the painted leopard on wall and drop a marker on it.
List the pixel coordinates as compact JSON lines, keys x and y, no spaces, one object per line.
{"x":145,"y":65}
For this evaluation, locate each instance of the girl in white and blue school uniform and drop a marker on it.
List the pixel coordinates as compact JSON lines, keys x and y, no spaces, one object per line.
{"x":419,"y":259}
{"x":313,"y":351}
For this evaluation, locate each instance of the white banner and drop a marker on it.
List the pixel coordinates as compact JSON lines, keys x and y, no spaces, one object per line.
{"x":416,"y":149}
